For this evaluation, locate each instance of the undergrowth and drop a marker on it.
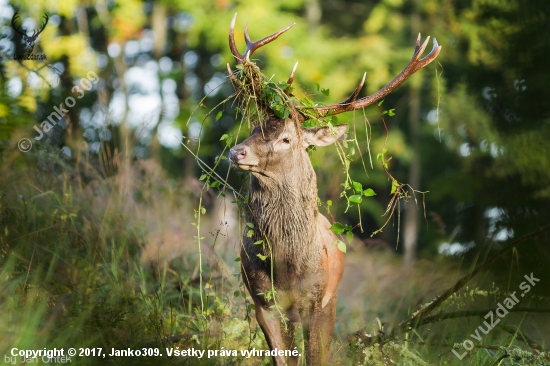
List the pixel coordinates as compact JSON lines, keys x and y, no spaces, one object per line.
{"x":89,"y":259}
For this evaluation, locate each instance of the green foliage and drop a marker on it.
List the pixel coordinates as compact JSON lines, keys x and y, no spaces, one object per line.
{"x":73,"y":267}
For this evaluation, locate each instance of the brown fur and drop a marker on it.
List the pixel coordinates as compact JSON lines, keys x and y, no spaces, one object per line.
{"x":283,"y":209}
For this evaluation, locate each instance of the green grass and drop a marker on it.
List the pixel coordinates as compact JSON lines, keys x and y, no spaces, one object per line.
{"x":88,"y":260}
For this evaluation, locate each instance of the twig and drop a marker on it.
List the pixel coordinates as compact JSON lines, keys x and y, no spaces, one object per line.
{"x":463,"y":314}
{"x":452,"y":345}
{"x":522,"y":337}
{"x":414,"y":321}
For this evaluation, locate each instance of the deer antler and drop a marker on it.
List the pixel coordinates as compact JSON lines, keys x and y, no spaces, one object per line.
{"x":45,"y":23}
{"x":414,"y":65}
{"x":250,"y":46}
{"x":36,"y":32}
{"x":291,"y":79}
{"x":21,"y":31}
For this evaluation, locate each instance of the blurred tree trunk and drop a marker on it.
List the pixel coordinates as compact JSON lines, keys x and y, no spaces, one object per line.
{"x":159,"y":47}
{"x":411,"y":214}
{"x":74,"y":135}
{"x":159,"y":30}
{"x":313,"y":14}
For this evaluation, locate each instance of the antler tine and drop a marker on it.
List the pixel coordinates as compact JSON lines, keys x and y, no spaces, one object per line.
{"x":355,"y":93}
{"x":246,"y":36}
{"x":417,"y":44}
{"x":291,"y":79}
{"x":262,"y":42}
{"x":232,"y":45}
{"x":419,"y":51}
{"x":413,"y":66}
{"x":232,"y":76}
{"x":45,"y":23}
{"x":21,"y":31}
{"x":431,"y":56}
{"x":250,"y":46}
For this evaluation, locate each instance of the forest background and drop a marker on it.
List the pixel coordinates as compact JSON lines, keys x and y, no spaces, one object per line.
{"x":112,"y":235}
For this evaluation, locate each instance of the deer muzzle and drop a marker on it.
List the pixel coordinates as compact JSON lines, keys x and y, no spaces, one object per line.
{"x":237,"y":153}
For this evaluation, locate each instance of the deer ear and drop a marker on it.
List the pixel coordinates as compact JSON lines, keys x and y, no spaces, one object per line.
{"x":322,"y":135}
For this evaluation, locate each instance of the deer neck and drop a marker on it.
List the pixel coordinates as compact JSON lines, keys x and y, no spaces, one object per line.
{"x":284,"y":213}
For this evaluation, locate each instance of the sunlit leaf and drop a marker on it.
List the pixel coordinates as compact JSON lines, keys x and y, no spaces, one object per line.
{"x":337,"y":228}
{"x":369,"y":192}
{"x":341,"y":246}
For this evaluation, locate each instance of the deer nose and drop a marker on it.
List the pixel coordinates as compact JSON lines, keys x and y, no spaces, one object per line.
{"x":237,"y":153}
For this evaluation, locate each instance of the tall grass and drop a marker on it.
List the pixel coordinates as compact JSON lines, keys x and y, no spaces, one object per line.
{"x":94,"y":261}
{"x":89,"y":259}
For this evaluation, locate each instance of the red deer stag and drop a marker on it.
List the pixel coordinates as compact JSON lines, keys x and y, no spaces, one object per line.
{"x":302,"y":265}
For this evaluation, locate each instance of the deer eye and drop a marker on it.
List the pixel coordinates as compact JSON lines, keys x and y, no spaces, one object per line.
{"x":286,"y":140}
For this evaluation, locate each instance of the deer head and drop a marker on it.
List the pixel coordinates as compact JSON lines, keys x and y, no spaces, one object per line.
{"x":29,"y":40}
{"x":279,"y":144}
{"x":278,"y":147}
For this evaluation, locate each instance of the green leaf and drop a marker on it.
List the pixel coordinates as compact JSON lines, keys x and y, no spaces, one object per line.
{"x":337,"y":228}
{"x":250,"y":233}
{"x":259,"y":242}
{"x":391,"y":112}
{"x":394,"y":186}
{"x":203,"y":177}
{"x":282,"y":84}
{"x":250,"y":225}
{"x":358,"y":187}
{"x":329,"y":203}
{"x":384,"y":151}
{"x":236,"y":293}
{"x":325,"y":92}
{"x":378,"y":157}
{"x":355,"y":199}
{"x":224,"y":136}
{"x":349,"y":237}
{"x":262,"y":257}
{"x":342,"y":246}
{"x":380,"y":102}
{"x":238,"y":259}
{"x":369,"y":192}
{"x":215,"y":184}
{"x":219,"y":115}
{"x":318,"y":86}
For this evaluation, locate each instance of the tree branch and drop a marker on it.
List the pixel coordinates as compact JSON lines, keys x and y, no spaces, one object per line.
{"x":414,"y":321}
{"x":522,"y":337}
{"x":463,"y":314}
